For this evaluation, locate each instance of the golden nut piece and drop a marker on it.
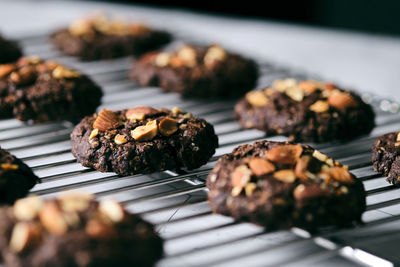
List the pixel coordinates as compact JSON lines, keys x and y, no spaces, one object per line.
{"x":320,"y":106}
{"x":52,"y":218}
{"x":320,"y":156}
{"x":249,"y":189}
{"x":80,"y":27}
{"x":214,"y":53}
{"x":261,"y":166}
{"x":257,"y":98}
{"x":6,"y":69}
{"x":301,"y":167}
{"x":27,"y":208}
{"x":112,"y":210}
{"x":139,"y":113}
{"x":106,"y":120}
{"x":61,"y":72}
{"x":295,"y":93}
{"x":93,"y":133}
{"x":341,"y":100}
{"x":341,"y":175}
{"x":145,"y":132}
{"x":75,"y":201}
{"x":188,"y":55}
{"x":9,"y":166}
{"x":97,"y":229}
{"x":285,"y":154}
{"x":120,"y":139}
{"x":163,"y":59}
{"x":24,"y":235}
{"x":168,"y":126}
{"x":286,"y":176}
{"x":241,"y":176}
{"x":309,"y":87}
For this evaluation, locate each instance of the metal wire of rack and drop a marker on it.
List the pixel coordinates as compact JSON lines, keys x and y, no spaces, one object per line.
{"x":177,"y":203}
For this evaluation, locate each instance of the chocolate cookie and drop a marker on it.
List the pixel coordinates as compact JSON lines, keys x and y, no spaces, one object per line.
{"x":306,"y":111}
{"x":196,"y":71}
{"x":16,"y":178}
{"x":143,"y":140}
{"x":99,"y":37}
{"x":9,"y":51}
{"x":386,"y":156}
{"x":281,"y":184}
{"x":33,"y":89}
{"x":75,"y":230}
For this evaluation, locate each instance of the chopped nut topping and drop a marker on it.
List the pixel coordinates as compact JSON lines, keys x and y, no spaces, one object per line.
{"x":176,"y":110}
{"x":214,"y":54}
{"x":299,"y":190}
{"x":112,"y":210}
{"x":100,"y":230}
{"x":285,"y":154}
{"x":61,"y":72}
{"x":341,"y":175}
{"x":249,"y":189}
{"x":329,"y":86}
{"x":6,"y":69}
{"x":295,"y":93}
{"x":257,"y":98}
{"x":398,"y":137}
{"x":106,"y":120}
{"x":309,"y":87}
{"x":75,"y":201}
{"x":9,"y":166}
{"x":301,"y":167}
{"x":320,"y":106}
{"x":188,"y":55}
{"x":145,"y":132}
{"x":139,"y":113}
{"x":163,"y":59}
{"x":269,"y":91}
{"x":330,"y":162}
{"x":286,"y":176}
{"x":52,"y":218}
{"x":240,"y":176}
{"x":120,"y":139}
{"x":236,"y":191}
{"x":93,"y":133}
{"x":24,"y":235}
{"x":168,"y":126}
{"x":341,"y":100}
{"x":282,"y":85}
{"x":80,"y":27}
{"x":261,"y":166}
{"x":27,"y":208}
{"x":320,"y":156}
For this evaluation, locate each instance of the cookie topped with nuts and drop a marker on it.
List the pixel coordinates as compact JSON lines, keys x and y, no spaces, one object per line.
{"x":143,"y":140}
{"x":385,"y":156}
{"x":16,"y":178}
{"x":9,"y":50}
{"x":282,"y":184}
{"x":99,"y":36}
{"x":306,"y":111}
{"x":75,"y":230}
{"x":197,"y":71}
{"x":41,"y":91}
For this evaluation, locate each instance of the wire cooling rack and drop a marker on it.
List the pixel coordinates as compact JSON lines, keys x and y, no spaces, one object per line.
{"x":177,"y":203}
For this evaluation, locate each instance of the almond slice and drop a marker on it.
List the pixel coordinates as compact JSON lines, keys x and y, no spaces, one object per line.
{"x":52,"y":218}
{"x":139,"y":113}
{"x":341,"y":100}
{"x":145,"y":132}
{"x":27,"y":208}
{"x":106,"y":120}
{"x":257,"y":98}
{"x":120,"y":139}
{"x":308,"y":87}
{"x":24,"y":235}
{"x":285,"y":154}
{"x":168,"y":126}
{"x":75,"y":201}
{"x":188,"y":55}
{"x":319,"y":106}
{"x":302,"y":167}
{"x":341,"y":175}
{"x":214,"y":54}
{"x":320,"y":156}
{"x":93,"y":133}
{"x":61,"y":72}
{"x":286,"y":176}
{"x":240,"y":176}
{"x":112,"y":210}
{"x":163,"y":59}
{"x":261,"y":166}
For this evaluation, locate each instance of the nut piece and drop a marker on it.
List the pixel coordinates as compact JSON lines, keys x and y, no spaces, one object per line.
{"x":112,"y":210}
{"x":100,"y":230}
{"x":106,"y":120}
{"x":80,"y":27}
{"x":6,"y":69}
{"x":320,"y":156}
{"x":320,"y":106}
{"x":240,"y":176}
{"x":139,"y":113}
{"x":188,"y":55}
{"x":285,"y":154}
{"x":24,"y":235}
{"x":282,"y":85}
{"x":163,"y":59}
{"x":286,"y":176}
{"x":93,"y":134}
{"x":61,"y":72}
{"x":75,"y":201}
{"x":295,"y":93}
{"x":9,"y":166}
{"x":52,"y":218}
{"x":257,"y":98}
{"x":341,"y":100}
{"x":301,"y":167}
{"x":120,"y":139}
{"x":249,"y":189}
{"x":261,"y":166}
{"x":168,"y":126}
{"x":27,"y":208}
{"x":341,"y":175}
{"x":214,"y":54}
{"x":145,"y":132}
{"x":309,"y":87}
